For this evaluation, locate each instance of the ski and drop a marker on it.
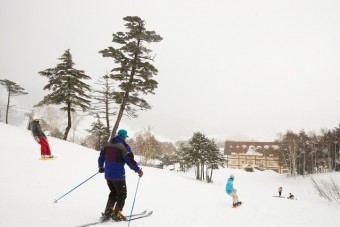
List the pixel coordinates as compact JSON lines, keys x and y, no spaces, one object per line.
{"x":129,"y":217}
{"x":137,"y":214}
{"x":275,"y":196}
{"x":47,"y":159}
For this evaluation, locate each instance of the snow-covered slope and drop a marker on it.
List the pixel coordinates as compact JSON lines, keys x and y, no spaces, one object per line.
{"x":30,"y":186}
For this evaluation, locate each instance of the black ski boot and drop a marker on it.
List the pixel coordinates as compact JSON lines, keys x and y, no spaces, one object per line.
{"x":118,"y":216}
{"x":107,"y":215}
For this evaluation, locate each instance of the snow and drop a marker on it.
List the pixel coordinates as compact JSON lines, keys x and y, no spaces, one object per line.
{"x":29,"y":187}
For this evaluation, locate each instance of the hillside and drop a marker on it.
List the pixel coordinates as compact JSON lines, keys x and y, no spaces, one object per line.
{"x":30,"y":186}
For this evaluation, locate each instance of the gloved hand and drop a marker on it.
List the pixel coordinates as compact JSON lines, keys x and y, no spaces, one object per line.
{"x":140,"y":172}
{"x":36,"y":138}
{"x":101,"y":169}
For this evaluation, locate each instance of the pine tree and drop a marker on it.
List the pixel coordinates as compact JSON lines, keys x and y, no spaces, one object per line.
{"x":13,"y":89}
{"x":67,"y":88}
{"x":202,"y":153}
{"x":214,"y":159}
{"x":182,"y":155}
{"x":198,"y":146}
{"x":134,"y":72}
{"x":98,"y":134}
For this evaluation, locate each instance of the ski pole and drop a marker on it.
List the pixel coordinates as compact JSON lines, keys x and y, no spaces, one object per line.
{"x":134,"y":199}
{"x":56,"y":200}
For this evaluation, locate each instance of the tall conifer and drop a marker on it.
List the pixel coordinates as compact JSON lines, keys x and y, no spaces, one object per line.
{"x":13,"y":89}
{"x":67,"y":88}
{"x":134,"y":72}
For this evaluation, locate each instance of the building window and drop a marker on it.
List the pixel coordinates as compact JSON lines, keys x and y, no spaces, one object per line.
{"x":271,"y":163}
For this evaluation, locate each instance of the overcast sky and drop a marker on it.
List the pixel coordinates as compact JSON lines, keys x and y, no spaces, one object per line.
{"x":232,"y":69}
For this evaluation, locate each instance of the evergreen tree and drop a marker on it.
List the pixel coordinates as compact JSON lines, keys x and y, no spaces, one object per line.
{"x":198,"y":146}
{"x":134,"y":72}
{"x":202,"y":153}
{"x":67,"y":88}
{"x":303,"y":152}
{"x":98,"y":134}
{"x":183,"y":156}
{"x":13,"y":89}
{"x":214,"y":160}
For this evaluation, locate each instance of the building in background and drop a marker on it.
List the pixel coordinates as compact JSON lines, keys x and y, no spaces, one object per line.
{"x":254,"y":155}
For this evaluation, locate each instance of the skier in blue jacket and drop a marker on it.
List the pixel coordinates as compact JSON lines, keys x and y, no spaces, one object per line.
{"x":115,"y":154}
{"x":230,"y":190}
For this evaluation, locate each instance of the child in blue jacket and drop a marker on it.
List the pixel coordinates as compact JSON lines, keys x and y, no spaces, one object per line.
{"x":230,"y":190}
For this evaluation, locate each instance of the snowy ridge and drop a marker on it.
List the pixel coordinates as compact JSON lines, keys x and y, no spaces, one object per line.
{"x":29,"y":188}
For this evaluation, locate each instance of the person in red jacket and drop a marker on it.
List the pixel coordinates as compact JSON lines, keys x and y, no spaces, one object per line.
{"x":41,"y":138}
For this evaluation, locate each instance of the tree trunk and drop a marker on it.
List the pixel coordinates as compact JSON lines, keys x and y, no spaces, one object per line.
{"x":7,"y":108}
{"x":126,"y":95}
{"x":202,"y":172}
{"x":119,"y":117}
{"x":198,"y":172}
{"x":107,"y":119}
{"x":68,"y":121}
{"x":107,"y":113}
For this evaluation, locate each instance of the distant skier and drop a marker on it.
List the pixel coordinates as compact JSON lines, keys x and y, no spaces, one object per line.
{"x":111,"y":160}
{"x":41,"y":138}
{"x":291,"y":196}
{"x":280,"y":191}
{"x":230,"y":190}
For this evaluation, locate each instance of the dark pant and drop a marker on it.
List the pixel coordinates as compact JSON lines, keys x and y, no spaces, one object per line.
{"x":117,"y":196}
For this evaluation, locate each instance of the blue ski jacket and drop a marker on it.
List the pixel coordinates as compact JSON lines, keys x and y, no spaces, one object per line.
{"x":229,"y":188}
{"x":115,"y":154}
